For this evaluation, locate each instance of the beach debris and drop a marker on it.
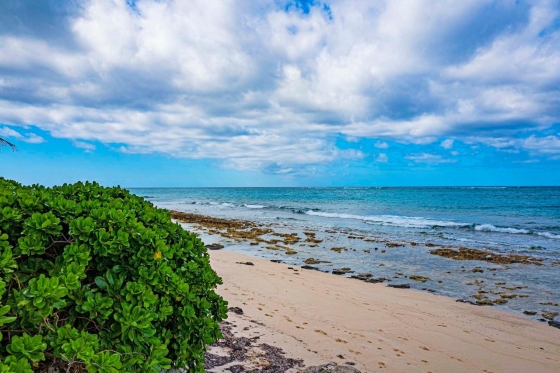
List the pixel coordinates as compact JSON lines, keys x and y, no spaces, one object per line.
{"x":246,"y":263}
{"x":464,"y":253}
{"x":331,"y":368}
{"x":399,"y":286}
{"x":236,"y":310}
{"x":214,"y":246}
{"x":555,"y":324}
{"x":241,"y":354}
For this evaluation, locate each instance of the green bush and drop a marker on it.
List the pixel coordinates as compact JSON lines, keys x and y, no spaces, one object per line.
{"x":98,"y":279}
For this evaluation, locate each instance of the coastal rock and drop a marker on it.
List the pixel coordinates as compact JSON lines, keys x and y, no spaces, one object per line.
{"x":275,"y":260}
{"x":484,"y":302}
{"x":530,"y":313}
{"x":246,"y":263}
{"x":331,"y":368}
{"x":474,"y":254}
{"x":399,"y":286}
{"x":342,"y":271}
{"x":377,"y":280}
{"x":315,"y":261}
{"x":310,"y":267}
{"x":214,"y":246}
{"x":338,"y":249}
{"x":419,"y":278}
{"x":555,"y":324}
{"x":549,"y":315}
{"x":466,"y":301}
{"x":362,"y":276}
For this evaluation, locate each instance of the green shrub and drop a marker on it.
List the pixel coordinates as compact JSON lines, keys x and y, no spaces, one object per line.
{"x":98,"y":279}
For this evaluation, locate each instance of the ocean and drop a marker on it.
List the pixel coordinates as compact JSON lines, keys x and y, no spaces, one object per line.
{"x":507,"y":220}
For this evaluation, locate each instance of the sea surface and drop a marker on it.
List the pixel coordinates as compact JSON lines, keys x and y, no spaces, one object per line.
{"x":520,"y":220}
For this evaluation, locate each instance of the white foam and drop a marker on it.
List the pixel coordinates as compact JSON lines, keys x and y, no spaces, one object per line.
{"x":255,"y":206}
{"x":549,"y":235}
{"x":228,"y":204}
{"x":392,"y":220}
{"x":492,"y":228}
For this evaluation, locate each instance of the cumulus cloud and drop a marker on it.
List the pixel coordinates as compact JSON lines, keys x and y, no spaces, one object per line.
{"x":268,"y":86}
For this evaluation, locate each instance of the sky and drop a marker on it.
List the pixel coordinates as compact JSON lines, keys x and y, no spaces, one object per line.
{"x":280,"y":93}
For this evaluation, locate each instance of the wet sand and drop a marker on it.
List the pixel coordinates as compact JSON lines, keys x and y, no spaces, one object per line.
{"x":320,"y":318}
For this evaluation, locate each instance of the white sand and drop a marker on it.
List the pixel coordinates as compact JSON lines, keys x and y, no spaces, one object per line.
{"x":317,"y":316}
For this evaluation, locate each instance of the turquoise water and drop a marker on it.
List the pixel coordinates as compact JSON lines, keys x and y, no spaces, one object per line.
{"x":502,"y":220}
{"x":505,"y":219}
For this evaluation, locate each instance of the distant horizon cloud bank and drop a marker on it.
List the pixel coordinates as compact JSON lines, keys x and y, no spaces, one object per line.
{"x":287,"y":87}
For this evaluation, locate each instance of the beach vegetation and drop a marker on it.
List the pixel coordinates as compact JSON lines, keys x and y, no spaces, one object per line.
{"x":97,"y":279}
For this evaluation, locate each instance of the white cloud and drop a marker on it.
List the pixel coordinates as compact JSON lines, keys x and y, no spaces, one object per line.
{"x":382,"y":158}
{"x":447,"y":144}
{"x":429,"y":158}
{"x":381,"y":145}
{"x":27,"y":137}
{"x":256,"y":87}
{"x":84,"y":145}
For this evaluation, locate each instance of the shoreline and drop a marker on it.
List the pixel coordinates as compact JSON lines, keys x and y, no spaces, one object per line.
{"x":379,"y":328}
{"x":472,"y":276}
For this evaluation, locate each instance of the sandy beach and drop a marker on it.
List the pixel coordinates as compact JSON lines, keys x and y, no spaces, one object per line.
{"x":322,"y":318}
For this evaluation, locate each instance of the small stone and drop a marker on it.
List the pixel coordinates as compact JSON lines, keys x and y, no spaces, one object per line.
{"x":529,"y":313}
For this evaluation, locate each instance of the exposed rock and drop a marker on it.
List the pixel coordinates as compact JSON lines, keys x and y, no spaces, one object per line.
{"x":399,"y":286}
{"x":246,"y":263}
{"x":275,"y":260}
{"x":419,"y":278}
{"x":214,"y":246}
{"x":484,"y":302}
{"x":342,"y":271}
{"x":377,"y":280}
{"x":530,"y":313}
{"x":549,"y":315}
{"x":555,"y":324}
{"x":310,"y":267}
{"x":315,"y":261}
{"x":466,"y":301}
{"x":394,"y":244}
{"x":474,"y":254}
{"x":338,"y":249}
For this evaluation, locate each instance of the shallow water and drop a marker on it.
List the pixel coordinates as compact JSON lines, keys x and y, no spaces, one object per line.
{"x":503,"y":220}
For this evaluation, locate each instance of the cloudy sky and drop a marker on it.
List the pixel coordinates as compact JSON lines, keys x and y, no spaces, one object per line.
{"x":279,"y":93}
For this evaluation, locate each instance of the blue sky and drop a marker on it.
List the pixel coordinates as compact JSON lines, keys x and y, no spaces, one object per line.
{"x":281,"y":93}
